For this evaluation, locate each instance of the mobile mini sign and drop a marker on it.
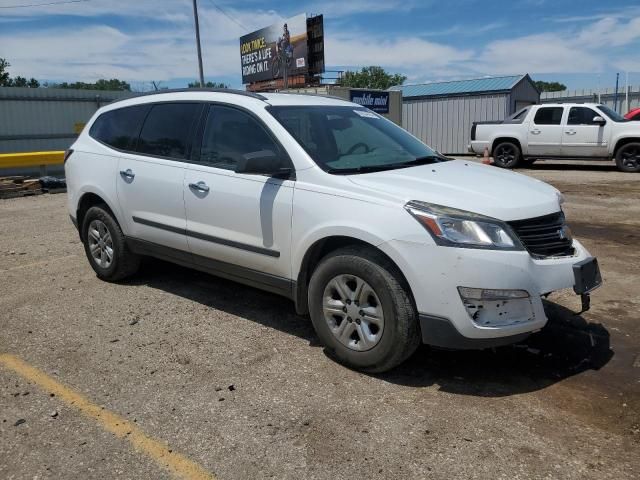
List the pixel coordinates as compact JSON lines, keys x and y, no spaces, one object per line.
{"x":374,"y":100}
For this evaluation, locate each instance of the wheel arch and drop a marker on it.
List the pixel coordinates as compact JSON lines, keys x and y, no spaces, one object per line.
{"x":499,"y":140}
{"x":621,"y":142}
{"x":321,"y":248}
{"x":90,"y":199}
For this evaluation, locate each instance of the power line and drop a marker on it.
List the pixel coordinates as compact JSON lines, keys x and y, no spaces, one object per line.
{"x":228,"y":16}
{"x":64,"y":2}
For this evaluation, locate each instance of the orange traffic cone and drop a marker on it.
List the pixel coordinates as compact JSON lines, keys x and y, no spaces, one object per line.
{"x":486,"y":160}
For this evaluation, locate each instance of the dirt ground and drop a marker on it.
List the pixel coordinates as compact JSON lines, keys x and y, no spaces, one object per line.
{"x":232,"y":379}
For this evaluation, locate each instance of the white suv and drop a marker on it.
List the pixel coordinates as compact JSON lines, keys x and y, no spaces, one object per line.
{"x":384,"y":242}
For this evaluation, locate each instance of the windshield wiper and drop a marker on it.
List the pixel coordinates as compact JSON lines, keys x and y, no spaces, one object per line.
{"x":362,"y":169}
{"x":426,"y":160}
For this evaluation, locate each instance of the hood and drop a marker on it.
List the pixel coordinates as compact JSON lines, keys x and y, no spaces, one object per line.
{"x":467,"y":185}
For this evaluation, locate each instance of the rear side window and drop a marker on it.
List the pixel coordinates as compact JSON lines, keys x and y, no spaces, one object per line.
{"x":581,"y":116}
{"x":231,"y":134}
{"x":548,"y":116}
{"x":119,"y":128}
{"x":167,"y":130}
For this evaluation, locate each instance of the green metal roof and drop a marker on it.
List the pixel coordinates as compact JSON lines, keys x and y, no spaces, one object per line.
{"x":460,"y":87}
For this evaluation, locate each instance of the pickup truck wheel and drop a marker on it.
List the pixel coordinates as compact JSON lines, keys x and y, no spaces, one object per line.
{"x":628,"y":158}
{"x":105,"y":246}
{"x":506,"y":155}
{"x":361,"y":311}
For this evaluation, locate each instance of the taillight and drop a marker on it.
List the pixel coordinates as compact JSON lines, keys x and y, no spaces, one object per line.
{"x":473,"y":131}
{"x":67,"y":154}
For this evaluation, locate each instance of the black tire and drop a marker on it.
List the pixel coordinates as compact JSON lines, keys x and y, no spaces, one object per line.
{"x":527,"y":162}
{"x":400,"y":335}
{"x":628,"y":157}
{"x":507,"y":155}
{"x":124,"y":262}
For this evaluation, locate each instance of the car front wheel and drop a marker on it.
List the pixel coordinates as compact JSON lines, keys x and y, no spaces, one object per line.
{"x":361,"y":310}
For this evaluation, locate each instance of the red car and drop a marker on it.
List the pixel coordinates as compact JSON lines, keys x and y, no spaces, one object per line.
{"x":633,"y":114}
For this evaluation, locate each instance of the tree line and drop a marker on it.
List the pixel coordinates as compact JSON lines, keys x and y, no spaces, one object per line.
{"x":374,"y":77}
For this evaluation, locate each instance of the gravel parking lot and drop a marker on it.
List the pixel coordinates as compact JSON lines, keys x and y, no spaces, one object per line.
{"x":229,"y":380}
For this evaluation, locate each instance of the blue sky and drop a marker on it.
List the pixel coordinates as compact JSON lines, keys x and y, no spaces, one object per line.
{"x":580,"y":43}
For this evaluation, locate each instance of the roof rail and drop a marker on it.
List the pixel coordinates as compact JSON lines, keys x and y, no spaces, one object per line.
{"x":312,"y":94}
{"x":212,"y":90}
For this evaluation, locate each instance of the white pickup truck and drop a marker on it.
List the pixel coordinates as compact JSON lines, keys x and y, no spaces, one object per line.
{"x":560,"y":131}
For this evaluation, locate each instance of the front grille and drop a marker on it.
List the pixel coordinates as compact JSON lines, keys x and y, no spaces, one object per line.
{"x":544,"y":236}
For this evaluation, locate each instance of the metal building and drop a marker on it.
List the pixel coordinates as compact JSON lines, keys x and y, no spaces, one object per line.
{"x":33,"y":119}
{"x":441,"y":114}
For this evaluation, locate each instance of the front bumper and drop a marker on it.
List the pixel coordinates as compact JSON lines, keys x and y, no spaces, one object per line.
{"x":434,"y":273}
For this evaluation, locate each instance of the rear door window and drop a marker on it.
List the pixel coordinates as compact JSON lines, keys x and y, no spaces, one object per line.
{"x":548,"y":116}
{"x":120,"y":128}
{"x":167,"y":130}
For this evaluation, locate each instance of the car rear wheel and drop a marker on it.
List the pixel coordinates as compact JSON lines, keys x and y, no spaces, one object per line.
{"x":105,"y":246}
{"x":507,"y":155}
{"x":628,"y":158}
{"x":361,"y":311}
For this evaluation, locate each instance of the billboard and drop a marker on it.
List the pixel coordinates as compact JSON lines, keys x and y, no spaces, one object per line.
{"x":266,"y":53}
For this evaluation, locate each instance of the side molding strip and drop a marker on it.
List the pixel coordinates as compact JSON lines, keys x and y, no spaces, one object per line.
{"x":208,"y":238}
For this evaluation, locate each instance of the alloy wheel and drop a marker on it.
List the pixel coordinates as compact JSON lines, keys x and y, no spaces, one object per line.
{"x":631,"y":157}
{"x":353,"y":312}
{"x":505,"y":154}
{"x":100,"y":243}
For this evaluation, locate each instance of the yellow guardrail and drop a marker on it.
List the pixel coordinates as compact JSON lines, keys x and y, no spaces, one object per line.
{"x":31,"y":159}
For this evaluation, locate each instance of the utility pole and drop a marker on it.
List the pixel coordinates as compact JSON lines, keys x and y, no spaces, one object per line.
{"x":615,"y":97}
{"x":626,"y":92}
{"x":195,"y":17}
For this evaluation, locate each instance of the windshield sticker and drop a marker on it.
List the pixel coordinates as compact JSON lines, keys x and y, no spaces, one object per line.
{"x":366,"y":114}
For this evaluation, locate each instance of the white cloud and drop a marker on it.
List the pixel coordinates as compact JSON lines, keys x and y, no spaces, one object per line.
{"x":544,"y":53}
{"x":163,"y":46}
{"x":340,"y":8}
{"x":159,"y":53}
{"x":400,"y":53}
{"x":593,"y":48}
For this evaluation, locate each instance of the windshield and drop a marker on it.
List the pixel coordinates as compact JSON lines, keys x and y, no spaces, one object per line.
{"x":612,"y":114}
{"x":352,"y":139}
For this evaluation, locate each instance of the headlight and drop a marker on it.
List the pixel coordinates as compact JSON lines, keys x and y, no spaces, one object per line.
{"x":458,"y":228}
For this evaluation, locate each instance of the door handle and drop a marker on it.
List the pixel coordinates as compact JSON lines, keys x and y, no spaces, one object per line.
{"x":128,"y":174}
{"x":200,"y":186}
{"x":570,"y":132}
{"x":536,"y":132}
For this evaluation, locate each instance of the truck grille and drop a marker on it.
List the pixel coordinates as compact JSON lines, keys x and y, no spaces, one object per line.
{"x":545,"y":236}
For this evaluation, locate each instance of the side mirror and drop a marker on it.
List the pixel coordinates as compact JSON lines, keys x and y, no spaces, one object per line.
{"x":263,"y":162}
{"x":598,"y":120}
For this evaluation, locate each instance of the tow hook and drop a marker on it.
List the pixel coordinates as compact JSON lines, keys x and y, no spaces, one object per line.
{"x":585,"y":299}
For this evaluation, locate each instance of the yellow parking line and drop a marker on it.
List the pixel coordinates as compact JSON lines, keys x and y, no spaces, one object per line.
{"x":35,"y":264}
{"x":179,"y":465}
